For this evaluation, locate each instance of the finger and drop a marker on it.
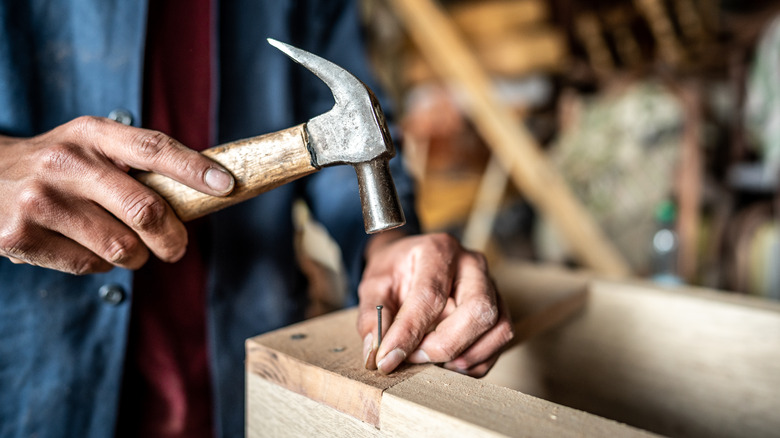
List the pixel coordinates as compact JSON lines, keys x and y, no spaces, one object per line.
{"x":427,"y":294}
{"x":16,"y":261}
{"x":371,"y":341}
{"x":148,"y":214}
{"x":50,"y":250}
{"x":93,"y":228}
{"x":370,"y":347}
{"x":488,"y":345}
{"x":140,"y":208}
{"x":374,"y":291}
{"x":478,"y":370}
{"x":154,"y":151}
{"x":477,"y":312}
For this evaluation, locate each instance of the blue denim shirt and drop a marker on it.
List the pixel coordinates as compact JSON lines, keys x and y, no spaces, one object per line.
{"x":62,"y":346}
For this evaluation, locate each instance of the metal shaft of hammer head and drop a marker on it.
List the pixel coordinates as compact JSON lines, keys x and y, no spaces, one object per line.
{"x":353,"y":132}
{"x":381,"y":209}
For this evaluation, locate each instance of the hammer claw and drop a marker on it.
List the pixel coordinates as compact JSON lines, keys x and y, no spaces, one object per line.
{"x":352,"y":132}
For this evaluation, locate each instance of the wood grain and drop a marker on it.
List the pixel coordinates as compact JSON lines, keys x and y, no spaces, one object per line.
{"x":258,"y":165}
{"x":439,"y":403}
{"x":523,"y":159}
{"x":433,"y":403}
{"x":320,"y":361}
{"x":274,"y":411}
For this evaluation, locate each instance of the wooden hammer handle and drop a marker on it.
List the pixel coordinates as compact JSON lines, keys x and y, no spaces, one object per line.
{"x":258,"y":164}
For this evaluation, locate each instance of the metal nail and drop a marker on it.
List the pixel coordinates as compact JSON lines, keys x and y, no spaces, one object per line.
{"x":379,"y":326}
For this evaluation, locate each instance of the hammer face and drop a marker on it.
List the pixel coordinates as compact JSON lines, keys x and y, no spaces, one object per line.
{"x":381,"y":207}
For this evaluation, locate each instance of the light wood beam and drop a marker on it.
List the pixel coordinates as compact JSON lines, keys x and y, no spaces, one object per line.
{"x":519,"y":153}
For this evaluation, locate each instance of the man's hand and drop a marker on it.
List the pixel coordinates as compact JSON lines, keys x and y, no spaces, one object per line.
{"x":440,"y":306}
{"x":69,"y":204}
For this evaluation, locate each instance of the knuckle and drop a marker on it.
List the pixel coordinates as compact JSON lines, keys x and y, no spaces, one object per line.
{"x":150,"y":145}
{"x":122,"y":249}
{"x":484,"y":312}
{"x":14,"y":241}
{"x":85,"y":125}
{"x":61,"y":157}
{"x":145,"y":211}
{"x":431,"y":300}
{"x":36,"y":200}
{"x":87,"y":265}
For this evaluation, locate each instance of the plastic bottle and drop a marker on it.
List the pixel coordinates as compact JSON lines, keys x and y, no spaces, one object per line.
{"x":665,"y":245}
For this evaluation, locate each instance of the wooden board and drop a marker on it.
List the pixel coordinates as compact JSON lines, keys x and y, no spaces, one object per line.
{"x":322,"y":359}
{"x":433,"y":403}
{"x":682,"y":362}
{"x":308,"y":380}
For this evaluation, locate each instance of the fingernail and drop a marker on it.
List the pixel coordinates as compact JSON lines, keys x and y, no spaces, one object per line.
{"x":391,"y":361}
{"x":419,"y":356}
{"x":457,"y":366}
{"x":452,"y":367}
{"x":367,"y":344}
{"x":219,"y":180}
{"x":368,"y":352}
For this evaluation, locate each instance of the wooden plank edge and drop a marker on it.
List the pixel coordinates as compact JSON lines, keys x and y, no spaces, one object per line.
{"x":435,"y":402}
{"x":318,"y":384}
{"x":275,"y":411}
{"x":439,"y":402}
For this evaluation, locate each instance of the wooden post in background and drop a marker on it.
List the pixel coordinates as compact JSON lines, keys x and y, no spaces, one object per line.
{"x":689,"y":184}
{"x":519,"y":153}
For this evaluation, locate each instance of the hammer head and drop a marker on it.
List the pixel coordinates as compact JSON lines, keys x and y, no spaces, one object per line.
{"x":353,"y":132}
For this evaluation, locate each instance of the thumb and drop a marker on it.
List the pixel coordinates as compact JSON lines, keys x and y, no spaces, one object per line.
{"x":373,"y":321}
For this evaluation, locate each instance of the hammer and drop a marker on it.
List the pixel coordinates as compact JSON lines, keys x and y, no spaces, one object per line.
{"x":353,"y":132}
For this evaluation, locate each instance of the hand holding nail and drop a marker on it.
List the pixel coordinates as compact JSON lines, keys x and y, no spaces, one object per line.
{"x":439,"y":306}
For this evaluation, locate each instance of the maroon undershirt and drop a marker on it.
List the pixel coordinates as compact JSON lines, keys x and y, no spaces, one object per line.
{"x":166,"y":390}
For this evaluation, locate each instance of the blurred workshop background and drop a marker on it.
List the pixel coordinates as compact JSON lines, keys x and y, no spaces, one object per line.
{"x":625,"y":137}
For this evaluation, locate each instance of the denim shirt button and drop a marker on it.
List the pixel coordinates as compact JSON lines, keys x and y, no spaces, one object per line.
{"x":112,"y":294}
{"x":122,"y":116}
